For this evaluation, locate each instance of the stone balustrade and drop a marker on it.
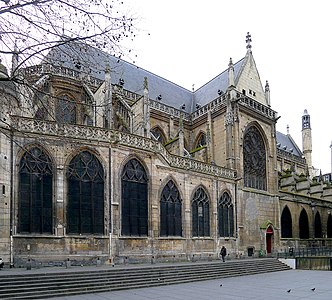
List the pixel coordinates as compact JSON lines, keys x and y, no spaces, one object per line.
{"x":33,"y":126}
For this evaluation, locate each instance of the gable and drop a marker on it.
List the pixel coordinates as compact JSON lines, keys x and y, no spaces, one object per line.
{"x":248,"y":80}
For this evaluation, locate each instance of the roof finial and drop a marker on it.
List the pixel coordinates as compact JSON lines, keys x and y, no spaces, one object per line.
{"x":248,"y":41}
{"x":287,"y":129}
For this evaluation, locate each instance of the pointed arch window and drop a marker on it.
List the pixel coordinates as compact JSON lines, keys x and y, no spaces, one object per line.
{"x":286,"y":223}
{"x":170,"y":211}
{"x":200,"y":207}
{"x":158,"y":135}
{"x":35,"y":208}
{"x":318,"y":226}
{"x":304,"y":225}
{"x":254,"y":159}
{"x":85,"y":209}
{"x":225,"y":216}
{"x":65,"y":110}
{"x":134,"y":199}
{"x":201,"y":140}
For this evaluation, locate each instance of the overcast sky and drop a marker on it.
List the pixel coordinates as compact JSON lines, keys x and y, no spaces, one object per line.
{"x":190,"y":42}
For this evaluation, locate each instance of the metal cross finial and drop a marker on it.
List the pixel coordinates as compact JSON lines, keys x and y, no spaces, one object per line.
{"x":248,"y":40}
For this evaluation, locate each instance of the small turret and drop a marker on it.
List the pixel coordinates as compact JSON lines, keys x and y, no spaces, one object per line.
{"x":307,"y":141}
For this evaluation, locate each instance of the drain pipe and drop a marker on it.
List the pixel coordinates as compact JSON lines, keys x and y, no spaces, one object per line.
{"x":11,"y":259}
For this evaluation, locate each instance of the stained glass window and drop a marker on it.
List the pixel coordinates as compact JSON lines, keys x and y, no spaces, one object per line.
{"x":85,"y":209}
{"x":35,"y":209}
{"x":134,"y":199}
{"x":225,"y":216}
{"x":254,"y":159}
{"x":170,"y":211}
{"x":65,"y":110}
{"x":200,"y":214}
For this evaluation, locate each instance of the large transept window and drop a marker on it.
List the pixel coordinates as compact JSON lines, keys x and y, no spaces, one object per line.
{"x":286,"y":223}
{"x":134,"y":199}
{"x":85,"y":209}
{"x":170,"y":211}
{"x":35,"y":193}
{"x":200,"y":214}
{"x":254,"y":159}
{"x":225,"y":216}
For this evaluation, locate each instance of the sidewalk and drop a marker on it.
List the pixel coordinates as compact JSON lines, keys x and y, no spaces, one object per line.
{"x":272,"y":286}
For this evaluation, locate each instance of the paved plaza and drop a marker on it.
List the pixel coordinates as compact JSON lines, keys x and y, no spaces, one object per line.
{"x":293,"y":284}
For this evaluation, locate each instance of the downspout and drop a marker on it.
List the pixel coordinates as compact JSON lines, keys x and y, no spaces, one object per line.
{"x":11,"y":259}
{"x":110,"y":206}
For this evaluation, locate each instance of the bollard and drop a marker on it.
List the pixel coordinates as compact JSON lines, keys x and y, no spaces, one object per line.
{"x":29,"y":264}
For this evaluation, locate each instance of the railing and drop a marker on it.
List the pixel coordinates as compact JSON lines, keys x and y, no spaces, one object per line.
{"x":293,"y":252}
{"x":157,"y":105}
{"x":258,"y":107}
{"x":63,"y":131}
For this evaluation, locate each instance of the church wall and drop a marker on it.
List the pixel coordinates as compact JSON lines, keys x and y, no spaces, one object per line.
{"x":257,"y":211}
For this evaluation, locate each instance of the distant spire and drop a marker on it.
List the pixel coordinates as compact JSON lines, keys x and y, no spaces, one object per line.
{"x":248,"y":41}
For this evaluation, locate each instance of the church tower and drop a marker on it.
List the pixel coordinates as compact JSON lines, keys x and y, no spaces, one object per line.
{"x":307,"y":141}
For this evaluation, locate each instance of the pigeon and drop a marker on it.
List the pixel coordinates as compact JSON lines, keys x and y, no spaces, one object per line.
{"x":220,"y":284}
{"x":289,"y":291}
{"x":313,"y":289}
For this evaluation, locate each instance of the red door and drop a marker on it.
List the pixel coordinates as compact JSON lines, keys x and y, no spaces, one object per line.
{"x":269,"y":234}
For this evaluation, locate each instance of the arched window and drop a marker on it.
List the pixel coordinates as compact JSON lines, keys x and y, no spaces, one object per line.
{"x":201,"y":140}
{"x":158,"y":135}
{"x":318,"y":226}
{"x":35,"y":208}
{"x":304,"y":225}
{"x":286,"y":223}
{"x":254,"y":159}
{"x":85,"y":208}
{"x":134,"y":199}
{"x":65,"y":110}
{"x":329,"y":227}
{"x":200,"y":214}
{"x":225,"y":216}
{"x":170,"y":211}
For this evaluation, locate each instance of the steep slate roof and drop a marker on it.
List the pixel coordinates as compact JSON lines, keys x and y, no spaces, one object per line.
{"x":285,"y":142}
{"x":93,"y":61}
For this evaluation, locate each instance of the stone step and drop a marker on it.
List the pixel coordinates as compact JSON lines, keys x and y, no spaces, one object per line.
{"x":55,"y":284}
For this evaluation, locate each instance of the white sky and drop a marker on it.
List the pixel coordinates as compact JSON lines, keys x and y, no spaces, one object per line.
{"x":190,"y":42}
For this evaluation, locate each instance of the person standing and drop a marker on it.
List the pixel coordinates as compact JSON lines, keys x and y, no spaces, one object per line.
{"x":223,"y":253}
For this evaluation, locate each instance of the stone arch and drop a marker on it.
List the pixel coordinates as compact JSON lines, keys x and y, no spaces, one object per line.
{"x":200,"y":209}
{"x":255,"y":157}
{"x":303,"y":225}
{"x":329,"y":226}
{"x":286,"y":223}
{"x":318,"y":225}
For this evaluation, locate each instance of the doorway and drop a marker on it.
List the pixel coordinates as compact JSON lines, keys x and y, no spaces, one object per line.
{"x":269,"y":235}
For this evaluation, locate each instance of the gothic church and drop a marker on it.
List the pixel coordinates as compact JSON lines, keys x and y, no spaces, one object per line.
{"x":101,"y":159}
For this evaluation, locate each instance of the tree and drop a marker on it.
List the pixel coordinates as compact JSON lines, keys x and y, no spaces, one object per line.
{"x":31,"y":28}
